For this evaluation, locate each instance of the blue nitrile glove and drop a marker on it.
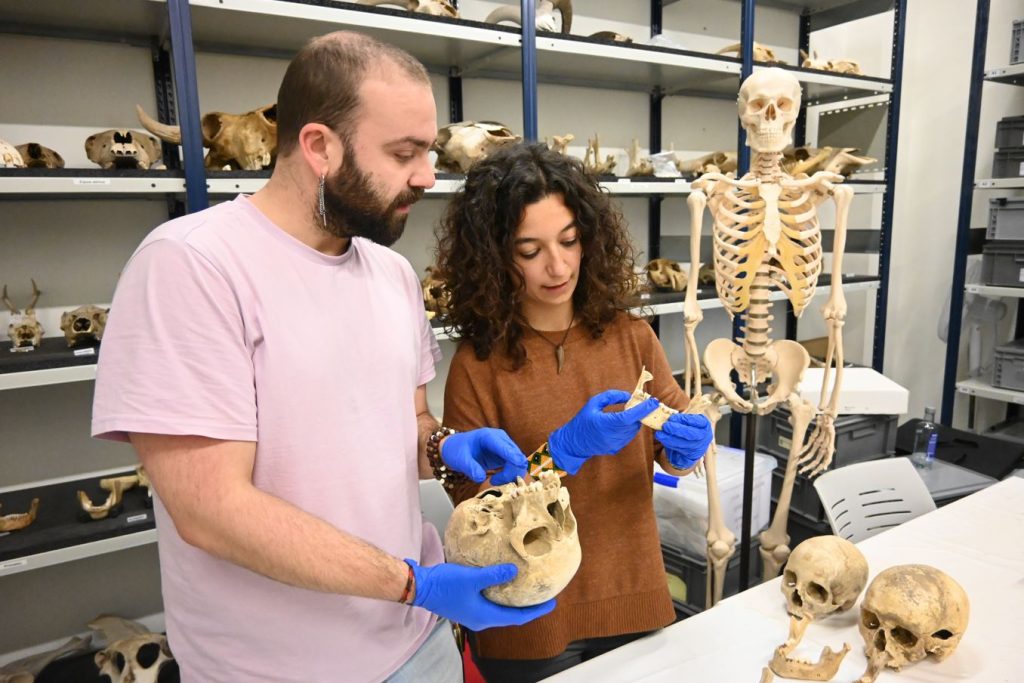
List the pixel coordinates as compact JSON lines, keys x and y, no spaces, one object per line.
{"x":686,"y":439}
{"x":454,"y":592}
{"x":473,"y":453}
{"x":594,"y":432}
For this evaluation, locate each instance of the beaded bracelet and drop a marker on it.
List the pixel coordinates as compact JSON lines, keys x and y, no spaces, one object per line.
{"x":449,"y":478}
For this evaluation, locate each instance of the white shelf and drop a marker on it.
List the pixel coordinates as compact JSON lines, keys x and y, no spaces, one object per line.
{"x":1013,"y":74}
{"x":41,"y":378}
{"x":89,"y":185}
{"x":999,"y":183}
{"x":77,"y":552}
{"x":981,"y":389}
{"x":989,"y":290}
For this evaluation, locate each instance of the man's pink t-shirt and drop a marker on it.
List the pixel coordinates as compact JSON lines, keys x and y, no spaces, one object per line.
{"x":225,"y":326}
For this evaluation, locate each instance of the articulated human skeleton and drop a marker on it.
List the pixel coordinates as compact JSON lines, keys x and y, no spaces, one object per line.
{"x":766,"y":234}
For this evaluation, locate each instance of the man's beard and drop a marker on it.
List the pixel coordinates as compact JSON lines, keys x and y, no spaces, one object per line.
{"x":354,"y":208}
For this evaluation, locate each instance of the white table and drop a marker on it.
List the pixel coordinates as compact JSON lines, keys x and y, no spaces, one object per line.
{"x":979,"y":541}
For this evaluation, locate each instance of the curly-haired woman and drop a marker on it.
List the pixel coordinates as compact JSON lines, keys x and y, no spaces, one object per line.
{"x":541,"y":268}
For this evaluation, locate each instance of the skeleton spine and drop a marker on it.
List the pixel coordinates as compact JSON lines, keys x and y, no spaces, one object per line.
{"x":757,"y":331}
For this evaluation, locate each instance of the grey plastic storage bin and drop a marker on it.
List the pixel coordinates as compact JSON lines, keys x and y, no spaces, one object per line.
{"x":692,"y":570}
{"x":1010,"y":132}
{"x":1002,"y":264}
{"x":1005,"y":219}
{"x":858,"y":437}
{"x":1009,"y":367}
{"x":1008,"y":163}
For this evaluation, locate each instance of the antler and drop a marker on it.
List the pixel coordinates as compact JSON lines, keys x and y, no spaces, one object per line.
{"x":35,"y":297}
{"x":7,"y":302}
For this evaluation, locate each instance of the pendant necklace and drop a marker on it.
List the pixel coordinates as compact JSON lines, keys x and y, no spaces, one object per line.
{"x":559,"y":347}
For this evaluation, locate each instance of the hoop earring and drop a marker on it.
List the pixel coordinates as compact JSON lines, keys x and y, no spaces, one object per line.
{"x":321,"y":205}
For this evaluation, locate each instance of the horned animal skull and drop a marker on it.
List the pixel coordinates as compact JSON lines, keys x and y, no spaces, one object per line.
{"x":592,"y":159}
{"x":911,"y":611}
{"x":123,"y":148}
{"x":824,"y":575}
{"x":460,"y":145}
{"x":769,"y":103}
{"x":530,"y":525}
{"x":559,"y":143}
{"x":133,"y":653}
{"x":85,"y":323}
{"x":37,"y":156}
{"x":839,"y":66}
{"x":25,"y":331}
{"x":638,"y":165}
{"x":667,"y":274}
{"x":245,"y":142}
{"x":544,"y":17}
{"x":10,"y":157}
{"x":434,"y":8}
{"x":762,"y":53}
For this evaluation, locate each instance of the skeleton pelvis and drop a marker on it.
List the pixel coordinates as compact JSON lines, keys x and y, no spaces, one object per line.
{"x":784,"y":360}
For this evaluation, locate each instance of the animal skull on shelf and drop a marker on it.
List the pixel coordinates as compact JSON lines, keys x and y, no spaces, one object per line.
{"x":559,"y":143}
{"x":639,"y":166}
{"x":824,"y":575}
{"x":123,"y":148}
{"x":434,"y":8}
{"x":610,"y":36}
{"x":839,"y":66}
{"x":83,"y":324}
{"x":667,"y":274}
{"x":530,"y":525}
{"x":133,"y":654}
{"x":24,"y":330}
{"x":38,"y":156}
{"x":762,"y":53}
{"x":115,"y":486}
{"x":765,"y":235}
{"x":436,"y":296}
{"x":911,"y":611}
{"x":20,"y":520}
{"x":10,"y":157}
{"x":544,"y":17}
{"x":460,"y":145}
{"x":714,"y":162}
{"x":809,"y":160}
{"x":591,"y":159}
{"x":246,"y":142}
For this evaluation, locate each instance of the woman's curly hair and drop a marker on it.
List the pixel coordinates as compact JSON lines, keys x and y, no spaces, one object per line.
{"x":476,"y":236}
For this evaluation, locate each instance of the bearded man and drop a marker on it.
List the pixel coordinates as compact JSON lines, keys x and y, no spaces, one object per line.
{"x":267,"y":359}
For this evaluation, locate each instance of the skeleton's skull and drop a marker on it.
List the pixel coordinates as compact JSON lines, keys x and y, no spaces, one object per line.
{"x":529,"y":525}
{"x":911,"y":611}
{"x":85,"y":323}
{"x":135,"y":660}
{"x":666,"y":274}
{"x":824,"y":574}
{"x":460,"y":145}
{"x":769,"y":103}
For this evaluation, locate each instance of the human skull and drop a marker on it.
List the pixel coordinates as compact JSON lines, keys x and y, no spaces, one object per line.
{"x":123,"y":148}
{"x":460,"y":145}
{"x":769,"y":102}
{"x":85,"y":323}
{"x":911,"y":611}
{"x":530,"y":525}
{"x":138,"y":659}
{"x":38,"y":156}
{"x":824,"y":574}
{"x":667,"y":274}
{"x":10,"y":157}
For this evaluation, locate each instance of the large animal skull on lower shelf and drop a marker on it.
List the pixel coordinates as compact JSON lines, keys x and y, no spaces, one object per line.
{"x":530,"y":525}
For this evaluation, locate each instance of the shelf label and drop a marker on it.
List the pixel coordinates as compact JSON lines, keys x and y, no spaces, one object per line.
{"x":91,"y":351}
{"x":91,"y":181}
{"x":136,"y":519}
{"x":12,"y":564}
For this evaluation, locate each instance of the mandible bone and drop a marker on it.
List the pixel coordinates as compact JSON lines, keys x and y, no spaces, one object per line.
{"x":38,"y":156}
{"x":84,"y":324}
{"x":530,"y":525}
{"x":460,"y":145}
{"x":909,"y":612}
{"x":246,"y":142}
{"x":824,"y":575}
{"x":123,"y":148}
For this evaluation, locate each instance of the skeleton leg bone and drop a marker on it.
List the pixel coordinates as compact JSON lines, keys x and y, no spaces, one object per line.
{"x":721,"y":541}
{"x":774,"y":539}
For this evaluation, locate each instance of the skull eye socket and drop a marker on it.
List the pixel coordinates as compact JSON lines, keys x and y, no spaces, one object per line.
{"x":870,"y":620}
{"x":942,"y":635}
{"x":148,"y":654}
{"x":816,"y":592}
{"x":904,"y":637}
{"x":756,"y":104}
{"x":784,"y":104}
